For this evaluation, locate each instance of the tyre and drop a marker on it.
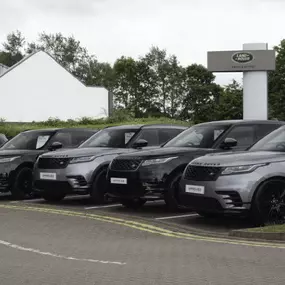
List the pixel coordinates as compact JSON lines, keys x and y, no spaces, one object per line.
{"x":209,"y":214}
{"x":99,"y":188}
{"x":171,"y":197}
{"x":23,"y":184}
{"x":133,"y":203}
{"x":268,"y":204}
{"x":53,"y":196}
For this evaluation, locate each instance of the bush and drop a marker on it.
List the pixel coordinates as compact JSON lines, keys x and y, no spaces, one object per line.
{"x":120,"y":118}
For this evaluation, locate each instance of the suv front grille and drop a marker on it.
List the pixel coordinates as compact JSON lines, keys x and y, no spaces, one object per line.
{"x":125,"y":164}
{"x":202,"y":173}
{"x":52,"y":163}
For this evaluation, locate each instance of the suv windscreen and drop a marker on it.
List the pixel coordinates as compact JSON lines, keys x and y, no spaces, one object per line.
{"x":117,"y":138}
{"x":198,"y":136}
{"x":275,"y":141}
{"x":29,"y":140}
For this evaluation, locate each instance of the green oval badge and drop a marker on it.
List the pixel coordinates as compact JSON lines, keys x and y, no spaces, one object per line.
{"x":242,"y":57}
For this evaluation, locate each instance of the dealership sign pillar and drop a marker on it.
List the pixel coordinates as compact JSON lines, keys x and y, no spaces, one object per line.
{"x":255,"y":60}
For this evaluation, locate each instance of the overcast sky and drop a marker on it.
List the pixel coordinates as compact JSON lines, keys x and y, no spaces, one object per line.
{"x":186,"y":28}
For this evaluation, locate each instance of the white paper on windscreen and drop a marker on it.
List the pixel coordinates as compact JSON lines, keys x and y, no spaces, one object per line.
{"x":217,"y":133}
{"x":128,"y":136}
{"x":41,"y":141}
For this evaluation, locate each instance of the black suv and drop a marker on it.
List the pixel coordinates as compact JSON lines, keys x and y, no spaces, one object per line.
{"x":17,"y":156}
{"x":138,"y":177}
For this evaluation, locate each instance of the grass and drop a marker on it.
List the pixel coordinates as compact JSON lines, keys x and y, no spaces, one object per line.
{"x":12,"y":129}
{"x":269,"y":229}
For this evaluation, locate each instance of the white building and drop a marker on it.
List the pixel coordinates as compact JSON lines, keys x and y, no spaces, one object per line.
{"x":37,"y":88}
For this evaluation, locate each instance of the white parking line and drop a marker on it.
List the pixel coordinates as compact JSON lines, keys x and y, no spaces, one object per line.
{"x":15,"y":246}
{"x":99,"y":207}
{"x":174,"y":217}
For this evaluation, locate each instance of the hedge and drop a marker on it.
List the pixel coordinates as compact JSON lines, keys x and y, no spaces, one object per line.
{"x":12,"y":129}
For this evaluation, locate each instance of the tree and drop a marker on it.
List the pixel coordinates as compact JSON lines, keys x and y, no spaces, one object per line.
{"x":133,"y":85}
{"x":66,"y":50}
{"x":201,"y":94}
{"x":13,"y":49}
{"x":166,"y":81}
{"x":230,"y":105}
{"x":96,"y":73}
{"x":277,"y":85}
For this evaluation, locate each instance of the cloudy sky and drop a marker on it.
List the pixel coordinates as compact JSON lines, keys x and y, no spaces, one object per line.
{"x":186,"y":28}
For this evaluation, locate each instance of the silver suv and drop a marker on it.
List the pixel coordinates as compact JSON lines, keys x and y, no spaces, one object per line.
{"x":244,"y":183}
{"x":83,"y":171}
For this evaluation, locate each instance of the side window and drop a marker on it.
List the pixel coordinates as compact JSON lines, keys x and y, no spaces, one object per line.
{"x":167,"y":134}
{"x":150,"y":135}
{"x":263,"y":130}
{"x":245,"y":135}
{"x":64,"y":138}
{"x":79,"y":137}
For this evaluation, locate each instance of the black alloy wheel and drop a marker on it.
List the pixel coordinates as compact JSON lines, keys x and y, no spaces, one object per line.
{"x":23,"y":185}
{"x":99,"y":188}
{"x":171,"y":196}
{"x":268,"y":205}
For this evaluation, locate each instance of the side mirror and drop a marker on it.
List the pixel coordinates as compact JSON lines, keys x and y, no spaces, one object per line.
{"x":229,"y":143}
{"x":55,"y":146}
{"x":140,"y":143}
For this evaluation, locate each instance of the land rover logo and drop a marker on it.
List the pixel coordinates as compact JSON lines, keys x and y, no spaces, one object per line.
{"x":242,"y":57}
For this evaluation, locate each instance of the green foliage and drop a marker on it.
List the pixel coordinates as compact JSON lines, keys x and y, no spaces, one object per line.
{"x":277,"y":85}
{"x":12,"y":129}
{"x":230,"y":102}
{"x":155,"y":85}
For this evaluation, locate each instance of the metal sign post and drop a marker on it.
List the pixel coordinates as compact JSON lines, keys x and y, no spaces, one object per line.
{"x":255,"y":60}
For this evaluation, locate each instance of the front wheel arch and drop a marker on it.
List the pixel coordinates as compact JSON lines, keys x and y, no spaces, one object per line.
{"x":98,"y":194}
{"x":277,"y":177}
{"x":179,"y":169}
{"x":254,"y":213}
{"x":171,"y":197}
{"x":16,"y":190}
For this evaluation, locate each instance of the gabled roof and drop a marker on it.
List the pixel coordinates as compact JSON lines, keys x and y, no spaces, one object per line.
{"x":38,"y":51}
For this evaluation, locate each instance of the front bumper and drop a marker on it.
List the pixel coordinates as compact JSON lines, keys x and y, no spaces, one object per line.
{"x":74,"y":179}
{"x":147,"y":183}
{"x":228,"y":194}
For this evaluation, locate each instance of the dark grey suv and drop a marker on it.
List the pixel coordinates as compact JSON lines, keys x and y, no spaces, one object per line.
{"x":18,"y":155}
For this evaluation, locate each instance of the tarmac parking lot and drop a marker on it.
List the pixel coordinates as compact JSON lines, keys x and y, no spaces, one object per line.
{"x":154,"y":212}
{"x":76,"y":242}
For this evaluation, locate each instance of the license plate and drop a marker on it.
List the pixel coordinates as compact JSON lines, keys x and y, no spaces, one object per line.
{"x":48,"y":176}
{"x":115,"y":180}
{"x":195,"y":189}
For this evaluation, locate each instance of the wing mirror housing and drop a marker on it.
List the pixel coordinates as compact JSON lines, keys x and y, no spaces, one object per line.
{"x":140,"y":143}
{"x":55,"y":146}
{"x":229,"y":143}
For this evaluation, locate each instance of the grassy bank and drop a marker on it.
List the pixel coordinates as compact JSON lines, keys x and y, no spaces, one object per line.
{"x":269,"y":229}
{"x":12,"y":129}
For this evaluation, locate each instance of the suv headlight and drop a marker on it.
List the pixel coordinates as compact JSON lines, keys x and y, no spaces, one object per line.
{"x":82,"y":159}
{"x":157,"y":161}
{"x":8,"y":159}
{"x":241,"y":169}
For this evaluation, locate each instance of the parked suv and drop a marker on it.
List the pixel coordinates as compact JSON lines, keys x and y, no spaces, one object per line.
{"x":3,"y":139}
{"x":155,"y":174}
{"x":17,"y":156}
{"x":246,"y":183}
{"x":83,"y":171}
